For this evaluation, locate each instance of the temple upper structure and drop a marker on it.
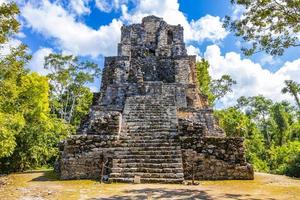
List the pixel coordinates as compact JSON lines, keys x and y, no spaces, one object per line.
{"x":150,"y":120}
{"x":151,"y":58}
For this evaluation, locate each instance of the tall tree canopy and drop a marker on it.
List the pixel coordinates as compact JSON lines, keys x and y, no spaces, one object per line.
{"x":214,"y":89}
{"x":9,"y":25}
{"x":204,"y":79}
{"x":293,"y":88}
{"x":271,"y":132}
{"x":28,"y":133}
{"x":70,"y":98}
{"x":221,"y":87}
{"x":268,"y":25}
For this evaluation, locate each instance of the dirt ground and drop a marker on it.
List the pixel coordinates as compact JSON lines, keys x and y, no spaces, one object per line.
{"x":44,"y":185}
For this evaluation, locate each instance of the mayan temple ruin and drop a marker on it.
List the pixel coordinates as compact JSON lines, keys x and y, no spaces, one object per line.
{"x":150,"y":121}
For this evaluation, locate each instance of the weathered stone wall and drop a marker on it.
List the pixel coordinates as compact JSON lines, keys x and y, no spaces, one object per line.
{"x":82,"y":156}
{"x":202,"y":117}
{"x":214,"y":158}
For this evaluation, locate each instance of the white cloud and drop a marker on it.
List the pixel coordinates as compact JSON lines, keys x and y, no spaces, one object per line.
{"x":80,"y":7}
{"x":291,"y":70}
{"x":251,"y":78}
{"x":268,"y":60}
{"x":37,"y":62}
{"x":206,"y":28}
{"x":20,"y":35}
{"x":238,"y":12}
{"x":109,"y":5}
{"x":3,"y":1}
{"x":54,"y":21}
{"x":5,"y":48}
{"x":191,"y":50}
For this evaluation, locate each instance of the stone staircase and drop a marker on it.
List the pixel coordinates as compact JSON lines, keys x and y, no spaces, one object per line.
{"x":148,"y":148}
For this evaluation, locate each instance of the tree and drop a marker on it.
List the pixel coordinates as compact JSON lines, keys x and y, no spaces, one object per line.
{"x":11,"y":71}
{"x":221,"y":87}
{"x":236,"y":123}
{"x":9,"y":25}
{"x":213,"y":89}
{"x":36,"y":141}
{"x":233,"y":121}
{"x":69,"y":96}
{"x":204,"y":79}
{"x":282,"y":119}
{"x":293,"y":88}
{"x":258,"y":109}
{"x":268,"y":25}
{"x":28,"y":133}
{"x":285,"y":159}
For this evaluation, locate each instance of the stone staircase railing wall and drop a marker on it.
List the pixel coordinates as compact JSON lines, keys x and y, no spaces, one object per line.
{"x":214,"y":158}
{"x":81,"y":156}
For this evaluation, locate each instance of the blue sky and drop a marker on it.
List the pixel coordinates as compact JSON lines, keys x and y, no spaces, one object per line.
{"x":91,"y":30}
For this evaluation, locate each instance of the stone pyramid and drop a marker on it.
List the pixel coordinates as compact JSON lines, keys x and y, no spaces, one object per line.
{"x":150,"y":120}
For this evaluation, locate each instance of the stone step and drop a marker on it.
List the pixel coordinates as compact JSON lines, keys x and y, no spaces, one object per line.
{"x":132,"y":132}
{"x":147,"y":165}
{"x":141,"y":134}
{"x":147,"y":175}
{"x":149,"y":122}
{"x":142,"y":141}
{"x":148,"y":148}
{"x":151,"y":130}
{"x":138,"y":119}
{"x":152,"y":119}
{"x":147,"y":170}
{"x":149,"y":102}
{"x":156,"y":156}
{"x":148,"y":180}
{"x":147,"y":113}
{"x":150,"y":126}
{"x":146,"y":160}
{"x":148,"y":137}
{"x":153,"y":133}
{"x":146,"y":144}
{"x":147,"y":107}
{"x":139,"y":152}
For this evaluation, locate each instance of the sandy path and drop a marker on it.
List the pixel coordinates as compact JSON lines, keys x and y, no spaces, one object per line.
{"x":43,"y":185}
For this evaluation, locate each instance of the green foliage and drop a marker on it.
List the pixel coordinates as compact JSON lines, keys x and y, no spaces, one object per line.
{"x":220,"y":87}
{"x":285,"y":159}
{"x":271,"y":131}
{"x":69,"y":97}
{"x":8,"y":22}
{"x":293,"y":88}
{"x":236,"y":123}
{"x":212,"y":89}
{"x":10,"y":126}
{"x":258,"y":109}
{"x":11,"y":113}
{"x":293,"y":168}
{"x":269,"y":25}
{"x":204,"y":79}
{"x":294,"y":131}
{"x":282,"y":121}
{"x":28,"y":133}
{"x":36,"y":134}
